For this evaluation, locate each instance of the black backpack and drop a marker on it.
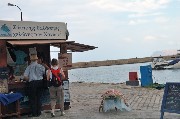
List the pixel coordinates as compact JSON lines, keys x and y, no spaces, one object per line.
{"x":56,"y":80}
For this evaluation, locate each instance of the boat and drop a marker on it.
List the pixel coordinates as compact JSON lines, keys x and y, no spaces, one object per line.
{"x":159,"y":63}
{"x":174,"y":64}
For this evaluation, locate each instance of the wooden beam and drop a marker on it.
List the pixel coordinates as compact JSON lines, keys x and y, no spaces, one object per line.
{"x":3,"y":53}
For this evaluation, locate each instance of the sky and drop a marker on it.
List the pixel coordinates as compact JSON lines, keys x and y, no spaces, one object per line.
{"x":121,"y":29}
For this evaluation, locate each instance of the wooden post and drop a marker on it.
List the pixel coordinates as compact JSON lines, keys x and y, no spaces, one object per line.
{"x":3,"y":54}
{"x":63,"y":49}
{"x":3,"y":60}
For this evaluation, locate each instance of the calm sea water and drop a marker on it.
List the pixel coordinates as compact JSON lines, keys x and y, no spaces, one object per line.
{"x":120,"y":73}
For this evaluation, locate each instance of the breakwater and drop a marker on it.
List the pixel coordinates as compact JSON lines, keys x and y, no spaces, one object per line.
{"x":117,"y":62}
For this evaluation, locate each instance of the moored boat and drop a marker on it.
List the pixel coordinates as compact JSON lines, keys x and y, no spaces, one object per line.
{"x":159,"y":63}
{"x":174,"y":64}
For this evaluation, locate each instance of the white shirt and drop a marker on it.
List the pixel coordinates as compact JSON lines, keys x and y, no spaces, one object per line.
{"x":55,"y":68}
{"x":34,"y":71}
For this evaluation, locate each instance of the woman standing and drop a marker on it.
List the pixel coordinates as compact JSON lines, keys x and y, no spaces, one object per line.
{"x":55,"y":75}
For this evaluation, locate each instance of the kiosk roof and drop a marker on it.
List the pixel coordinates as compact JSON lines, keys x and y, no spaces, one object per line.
{"x":71,"y":45}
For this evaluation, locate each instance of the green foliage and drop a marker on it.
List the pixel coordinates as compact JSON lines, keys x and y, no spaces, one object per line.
{"x":156,"y":86}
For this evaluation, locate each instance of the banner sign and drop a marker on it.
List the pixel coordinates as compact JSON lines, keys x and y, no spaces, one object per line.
{"x":171,"y":98}
{"x":32,"y":30}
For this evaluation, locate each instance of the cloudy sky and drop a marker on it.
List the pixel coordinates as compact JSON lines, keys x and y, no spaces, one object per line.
{"x":119,"y":28}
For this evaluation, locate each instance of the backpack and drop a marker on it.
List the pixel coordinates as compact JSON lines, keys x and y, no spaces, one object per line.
{"x":56,"y":80}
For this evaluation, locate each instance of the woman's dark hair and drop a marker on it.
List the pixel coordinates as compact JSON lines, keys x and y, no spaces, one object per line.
{"x":40,"y":56}
{"x":54,"y":61}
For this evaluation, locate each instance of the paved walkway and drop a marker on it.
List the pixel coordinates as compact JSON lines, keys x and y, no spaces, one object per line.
{"x":85,"y":100}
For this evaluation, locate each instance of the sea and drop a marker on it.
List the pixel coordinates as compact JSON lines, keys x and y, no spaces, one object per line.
{"x":120,"y":74}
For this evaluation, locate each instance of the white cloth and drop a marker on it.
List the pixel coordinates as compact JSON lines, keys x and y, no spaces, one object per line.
{"x":109,"y":104}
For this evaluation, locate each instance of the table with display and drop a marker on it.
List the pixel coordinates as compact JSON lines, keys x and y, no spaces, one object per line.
{"x":9,"y":104}
{"x":22,"y":87}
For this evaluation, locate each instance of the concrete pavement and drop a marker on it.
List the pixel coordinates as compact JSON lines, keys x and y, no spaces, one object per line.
{"x":145,"y":103}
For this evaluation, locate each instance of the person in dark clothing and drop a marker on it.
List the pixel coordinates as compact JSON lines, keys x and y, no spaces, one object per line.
{"x":34,"y":75}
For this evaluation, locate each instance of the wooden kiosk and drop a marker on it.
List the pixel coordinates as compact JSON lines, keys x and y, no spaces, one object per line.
{"x":16,"y":40}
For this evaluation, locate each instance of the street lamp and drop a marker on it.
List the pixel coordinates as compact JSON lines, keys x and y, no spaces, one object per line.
{"x":9,"y":4}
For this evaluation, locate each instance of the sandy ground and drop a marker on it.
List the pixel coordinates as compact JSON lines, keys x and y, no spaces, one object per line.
{"x":145,"y":103}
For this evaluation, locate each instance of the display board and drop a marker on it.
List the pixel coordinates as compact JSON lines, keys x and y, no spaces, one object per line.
{"x":171,"y":98}
{"x":66,"y":91}
{"x":4,"y":73}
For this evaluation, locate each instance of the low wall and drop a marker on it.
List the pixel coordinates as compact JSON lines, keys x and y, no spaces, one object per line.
{"x":116,"y":62}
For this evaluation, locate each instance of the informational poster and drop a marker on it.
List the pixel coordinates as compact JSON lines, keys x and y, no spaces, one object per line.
{"x":66,"y":96}
{"x":3,"y":86}
{"x":65,"y":60}
{"x":3,"y":80}
{"x":66,"y":84}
